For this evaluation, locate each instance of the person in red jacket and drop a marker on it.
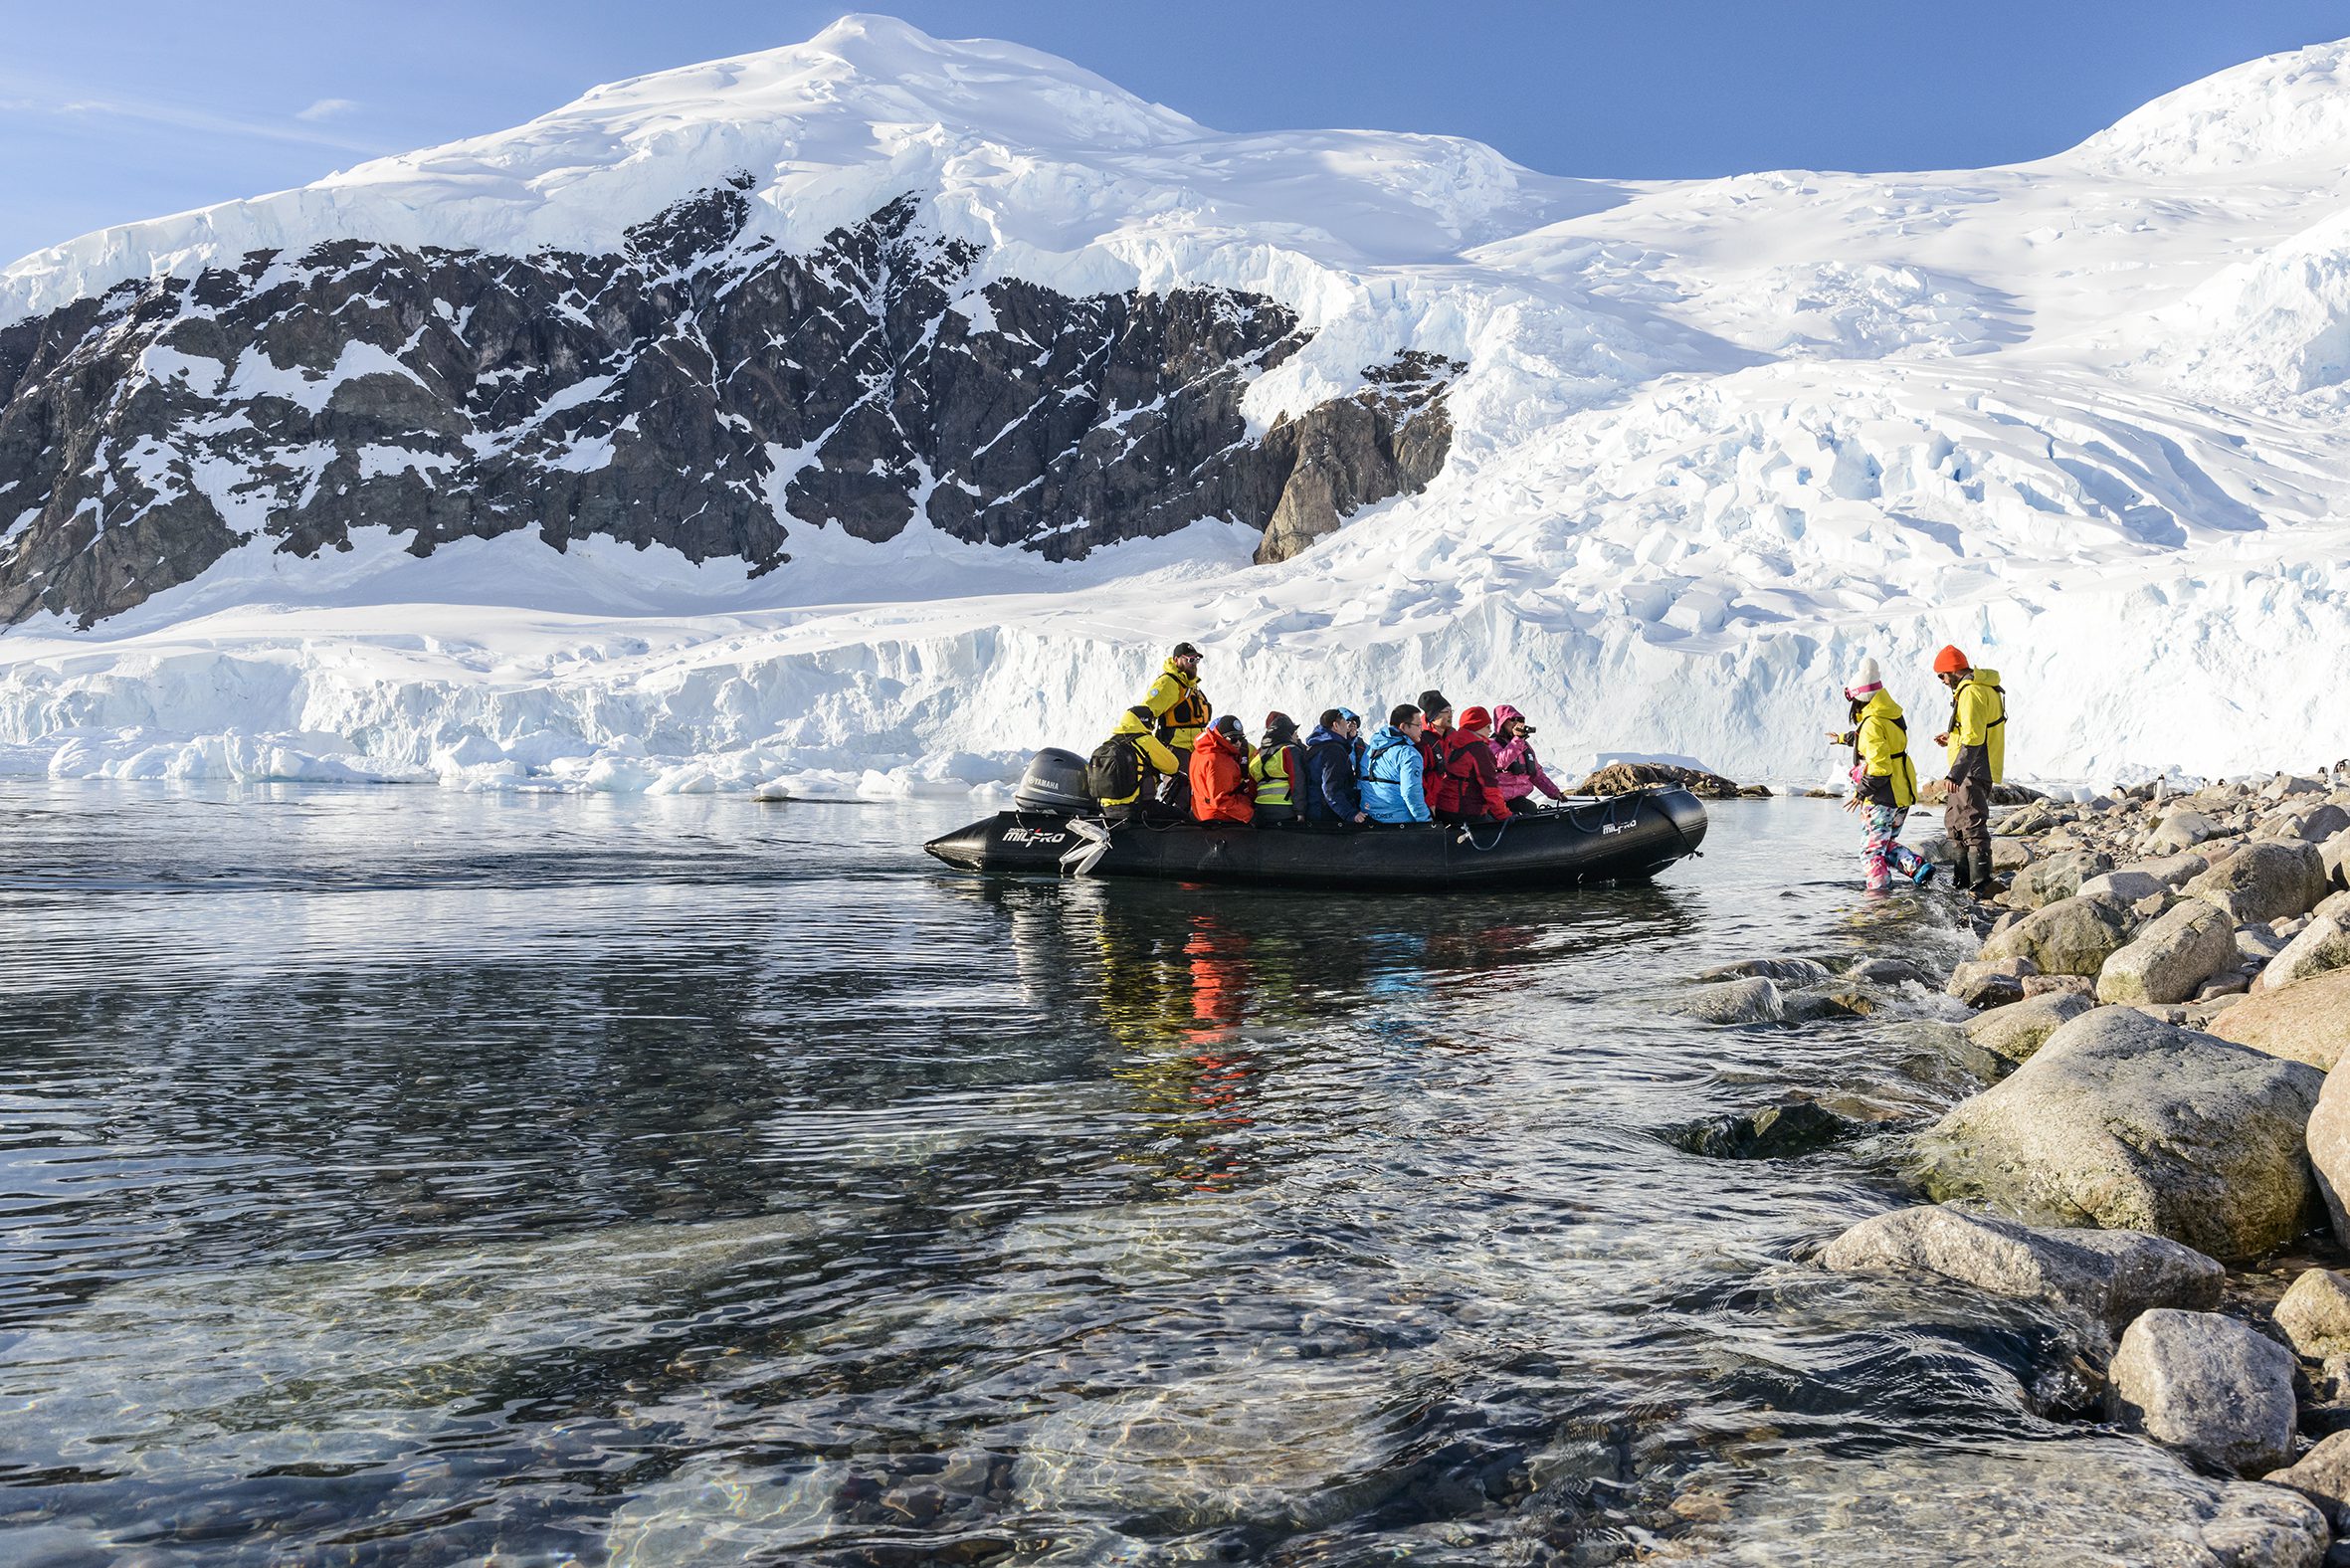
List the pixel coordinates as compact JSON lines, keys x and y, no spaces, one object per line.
{"x":1221,"y":789}
{"x":1469,"y":759}
{"x":1441,"y":788}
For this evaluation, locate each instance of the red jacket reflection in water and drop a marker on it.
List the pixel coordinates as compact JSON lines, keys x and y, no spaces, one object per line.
{"x":1219,"y":1000}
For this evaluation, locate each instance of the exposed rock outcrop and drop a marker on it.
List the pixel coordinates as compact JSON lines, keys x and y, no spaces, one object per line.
{"x":697,"y":389}
{"x":2128,"y":1123}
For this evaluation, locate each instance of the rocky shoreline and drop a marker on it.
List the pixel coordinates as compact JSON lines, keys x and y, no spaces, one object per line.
{"x":2159,"y":1145}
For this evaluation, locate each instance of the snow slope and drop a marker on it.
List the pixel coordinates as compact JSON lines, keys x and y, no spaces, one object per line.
{"x":1717,"y":440}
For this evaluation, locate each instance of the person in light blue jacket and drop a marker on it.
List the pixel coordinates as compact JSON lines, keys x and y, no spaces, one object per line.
{"x":1391,"y":773}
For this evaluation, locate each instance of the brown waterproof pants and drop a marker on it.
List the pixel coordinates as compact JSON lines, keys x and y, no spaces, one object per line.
{"x":1966,"y":817}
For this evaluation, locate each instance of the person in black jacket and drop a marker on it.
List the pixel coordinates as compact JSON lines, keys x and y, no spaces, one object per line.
{"x":1332,"y":798}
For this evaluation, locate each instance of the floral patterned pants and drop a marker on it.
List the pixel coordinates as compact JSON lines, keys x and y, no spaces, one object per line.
{"x":1881,"y":858}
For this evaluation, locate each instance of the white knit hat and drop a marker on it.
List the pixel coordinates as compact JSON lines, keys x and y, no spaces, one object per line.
{"x":1866,"y":680}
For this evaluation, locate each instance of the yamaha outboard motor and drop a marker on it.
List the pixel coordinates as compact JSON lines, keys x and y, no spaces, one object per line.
{"x":1055,"y":781}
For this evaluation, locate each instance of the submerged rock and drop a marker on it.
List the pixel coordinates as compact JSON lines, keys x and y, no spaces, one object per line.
{"x":1780,"y":971}
{"x":2205,"y":1384}
{"x":1755,"y":1001}
{"x":2128,"y":1123}
{"x":2106,"y":1278}
{"x":1986,"y":983}
{"x":1779,"y":1132}
{"x":2075,"y":1502}
{"x":1886,"y":971}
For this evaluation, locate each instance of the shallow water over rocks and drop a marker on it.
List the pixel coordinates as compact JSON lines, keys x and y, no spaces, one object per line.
{"x":395,"y":1176}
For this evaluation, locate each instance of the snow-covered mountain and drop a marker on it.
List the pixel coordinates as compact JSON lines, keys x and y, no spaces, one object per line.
{"x":887,"y":404}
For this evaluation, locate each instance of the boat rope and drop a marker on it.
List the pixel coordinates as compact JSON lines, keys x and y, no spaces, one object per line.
{"x":1469,"y":836}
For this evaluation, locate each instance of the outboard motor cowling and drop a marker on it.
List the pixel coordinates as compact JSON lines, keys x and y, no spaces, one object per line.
{"x":1055,"y":781}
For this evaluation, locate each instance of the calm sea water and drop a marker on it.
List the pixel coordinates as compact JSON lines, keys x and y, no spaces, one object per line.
{"x":400,"y":1177}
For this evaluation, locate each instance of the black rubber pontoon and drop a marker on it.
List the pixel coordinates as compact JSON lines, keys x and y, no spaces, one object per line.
{"x":1623,"y":837}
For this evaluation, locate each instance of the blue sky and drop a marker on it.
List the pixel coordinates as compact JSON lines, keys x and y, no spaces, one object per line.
{"x":131,"y":108}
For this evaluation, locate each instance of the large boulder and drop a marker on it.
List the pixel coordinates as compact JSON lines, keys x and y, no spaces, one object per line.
{"x":2179,"y":831}
{"x":2323,"y":1476}
{"x":2073,"y":936}
{"x":2330,"y":855}
{"x":2316,"y":824}
{"x":2014,"y":1031}
{"x":2329,"y":1136}
{"x":2307,"y":1021}
{"x":2057,"y":876}
{"x":2106,"y":1278}
{"x":2207,"y":1384}
{"x":2271,"y":881}
{"x":2170,"y":959}
{"x":2126,"y":1122}
{"x":2323,"y":945}
{"x":1994,"y":983}
{"x":2172,"y":871}
{"x":2124,"y":886}
{"x":2316,"y":1314}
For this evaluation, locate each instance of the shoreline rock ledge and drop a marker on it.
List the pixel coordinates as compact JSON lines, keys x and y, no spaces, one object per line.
{"x":2121,"y":1121}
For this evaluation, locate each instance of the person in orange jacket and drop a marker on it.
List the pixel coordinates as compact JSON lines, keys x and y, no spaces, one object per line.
{"x":1221,"y":789}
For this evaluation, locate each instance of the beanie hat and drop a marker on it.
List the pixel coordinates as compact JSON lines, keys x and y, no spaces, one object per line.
{"x":1279,"y":726}
{"x":1950,"y":661}
{"x":1866,"y":679}
{"x":1230,"y":728}
{"x":1431,"y":702}
{"x":1475,"y":718}
{"x":1184,"y":651}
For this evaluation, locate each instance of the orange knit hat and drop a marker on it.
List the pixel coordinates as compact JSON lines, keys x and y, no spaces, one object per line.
{"x":1950,"y":661}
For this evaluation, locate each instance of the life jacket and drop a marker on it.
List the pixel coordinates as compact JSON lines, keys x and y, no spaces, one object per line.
{"x":1442,"y":789}
{"x":1182,"y":708}
{"x":1892,"y":766}
{"x":1274,"y":768}
{"x":1469,"y":763}
{"x":1983,"y":685}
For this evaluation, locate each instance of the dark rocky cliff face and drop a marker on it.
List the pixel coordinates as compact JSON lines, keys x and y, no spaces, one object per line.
{"x":695,"y":390}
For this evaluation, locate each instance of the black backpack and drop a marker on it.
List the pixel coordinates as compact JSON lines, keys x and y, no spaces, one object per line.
{"x":1114,"y":772}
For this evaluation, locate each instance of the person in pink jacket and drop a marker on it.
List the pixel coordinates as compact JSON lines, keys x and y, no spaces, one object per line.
{"x":1513,"y":757}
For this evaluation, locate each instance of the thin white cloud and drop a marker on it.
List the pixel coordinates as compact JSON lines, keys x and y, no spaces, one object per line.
{"x":157,"y":111}
{"x":327,"y":108}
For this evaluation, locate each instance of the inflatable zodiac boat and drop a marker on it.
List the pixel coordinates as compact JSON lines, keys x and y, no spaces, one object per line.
{"x":1055,"y":829}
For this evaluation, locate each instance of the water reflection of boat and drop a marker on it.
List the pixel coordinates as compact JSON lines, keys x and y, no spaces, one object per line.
{"x":1624,"y":838}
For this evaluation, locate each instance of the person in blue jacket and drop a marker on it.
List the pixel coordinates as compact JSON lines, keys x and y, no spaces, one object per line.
{"x":1330,"y":797}
{"x":1391,"y":779}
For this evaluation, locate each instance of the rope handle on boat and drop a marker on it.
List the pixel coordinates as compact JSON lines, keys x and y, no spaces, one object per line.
{"x":1469,"y":836}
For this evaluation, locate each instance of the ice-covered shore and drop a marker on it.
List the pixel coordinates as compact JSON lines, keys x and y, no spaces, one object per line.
{"x":2085,"y":417}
